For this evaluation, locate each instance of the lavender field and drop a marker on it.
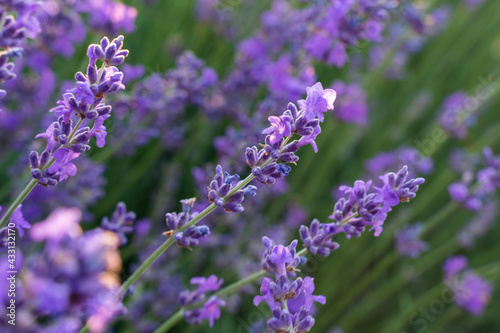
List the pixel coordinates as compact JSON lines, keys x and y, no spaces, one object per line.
{"x":324,"y":166}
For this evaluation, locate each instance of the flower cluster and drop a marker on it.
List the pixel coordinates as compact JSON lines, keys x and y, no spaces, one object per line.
{"x":176,"y":221}
{"x":408,"y":241}
{"x":121,"y":222}
{"x":473,"y":195}
{"x":396,"y":159}
{"x":73,"y":278}
{"x":471,"y":291}
{"x":362,"y":207}
{"x":143,"y":113}
{"x":303,"y":122}
{"x":291,"y":300}
{"x":457,"y":115}
{"x":479,"y":225}
{"x":220,"y":188}
{"x":85,"y":102}
{"x":210,"y":308}
{"x":18,"y":222}
{"x":17,"y":22}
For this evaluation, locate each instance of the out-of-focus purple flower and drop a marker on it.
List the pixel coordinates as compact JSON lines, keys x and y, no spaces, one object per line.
{"x":479,"y":225}
{"x":386,"y":161}
{"x":408,"y":242}
{"x":473,"y":3}
{"x":351,"y":104}
{"x":210,"y":309}
{"x":110,"y":16}
{"x":471,"y":291}
{"x":62,"y":223}
{"x":453,"y":265}
{"x":460,"y":193}
{"x":456,"y":116}
{"x":19,"y":221}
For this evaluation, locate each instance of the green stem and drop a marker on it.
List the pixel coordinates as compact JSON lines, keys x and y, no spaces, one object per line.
{"x":146,"y":264}
{"x":171,"y":322}
{"x":31,"y":185}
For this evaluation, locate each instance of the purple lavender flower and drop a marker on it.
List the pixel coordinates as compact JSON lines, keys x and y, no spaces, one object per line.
{"x":363,"y":208}
{"x":86,"y":100}
{"x":279,"y":259}
{"x":121,"y":222}
{"x":210,"y":308}
{"x":352,"y":106}
{"x":455,"y":118}
{"x":63,"y":165}
{"x":75,"y":275}
{"x":408,"y":242}
{"x":396,"y":188}
{"x":453,"y":265}
{"x":396,"y":159}
{"x":318,"y":238}
{"x":472,"y":196}
{"x":318,"y":100}
{"x":109,"y":52}
{"x":291,"y":301}
{"x":222,"y":185}
{"x":61,"y":224}
{"x":280,"y":128}
{"x":479,"y":225}
{"x":19,"y":221}
{"x":471,"y":291}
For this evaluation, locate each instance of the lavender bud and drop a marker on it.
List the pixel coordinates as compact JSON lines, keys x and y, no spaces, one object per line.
{"x":44,"y":158}
{"x":34,"y":162}
{"x":35,"y":173}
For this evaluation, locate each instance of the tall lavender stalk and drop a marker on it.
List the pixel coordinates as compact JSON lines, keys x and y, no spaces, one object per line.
{"x":85,"y":102}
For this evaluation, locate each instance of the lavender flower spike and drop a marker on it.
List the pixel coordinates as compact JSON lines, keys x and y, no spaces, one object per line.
{"x":120,"y":223}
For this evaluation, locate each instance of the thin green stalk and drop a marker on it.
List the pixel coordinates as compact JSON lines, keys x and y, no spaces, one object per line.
{"x":145,"y":265}
{"x":31,"y":185}
{"x":171,"y":322}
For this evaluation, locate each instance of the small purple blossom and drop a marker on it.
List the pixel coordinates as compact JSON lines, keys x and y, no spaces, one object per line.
{"x":210,"y":309}
{"x":471,"y":291}
{"x":220,"y":187}
{"x":121,"y":222}
{"x":318,"y":100}
{"x":63,"y":165}
{"x":408,"y":242}
{"x":280,"y":127}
